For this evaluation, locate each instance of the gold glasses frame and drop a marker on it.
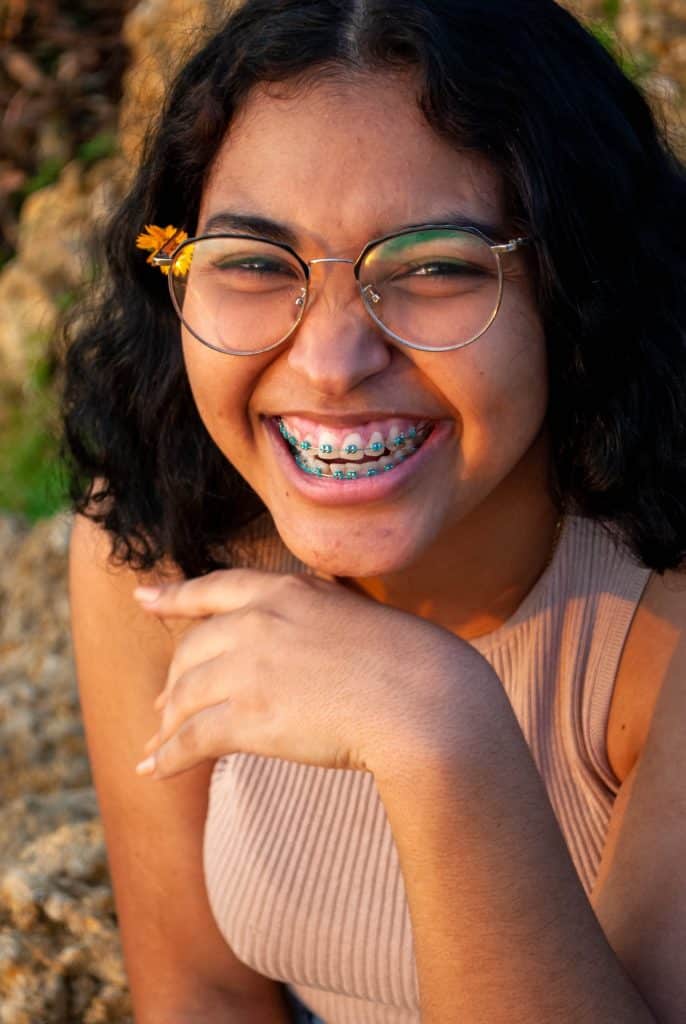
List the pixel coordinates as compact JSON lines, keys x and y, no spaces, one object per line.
{"x":166,"y":256}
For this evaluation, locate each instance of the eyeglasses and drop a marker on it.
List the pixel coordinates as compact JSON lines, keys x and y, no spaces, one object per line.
{"x":435,"y":288}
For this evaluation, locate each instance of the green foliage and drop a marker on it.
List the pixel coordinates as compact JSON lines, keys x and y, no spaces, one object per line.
{"x":611,"y":11}
{"x":31,"y":479}
{"x":634,"y":65}
{"x":47,"y":174}
{"x":98,"y":148}
{"x":31,"y":483}
{"x":66,"y":300}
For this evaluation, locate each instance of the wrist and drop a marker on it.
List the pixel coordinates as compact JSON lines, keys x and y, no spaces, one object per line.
{"x":444,"y":712}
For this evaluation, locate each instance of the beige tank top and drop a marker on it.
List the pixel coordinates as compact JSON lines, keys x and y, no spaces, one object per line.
{"x":301,"y":868}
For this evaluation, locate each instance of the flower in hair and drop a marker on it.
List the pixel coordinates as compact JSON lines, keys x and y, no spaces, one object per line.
{"x":157,"y":240}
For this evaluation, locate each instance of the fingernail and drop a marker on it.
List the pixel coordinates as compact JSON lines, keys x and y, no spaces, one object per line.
{"x":146,"y":767}
{"x":147,"y":594}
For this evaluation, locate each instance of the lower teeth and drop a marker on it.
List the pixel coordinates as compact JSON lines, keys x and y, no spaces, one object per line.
{"x":357,"y":473}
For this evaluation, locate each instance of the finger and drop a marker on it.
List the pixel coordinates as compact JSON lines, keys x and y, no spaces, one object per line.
{"x":202,"y":686}
{"x":204,"y":641}
{"x":152,"y":743}
{"x":203,"y":737}
{"x":221,"y":591}
{"x":222,"y":632}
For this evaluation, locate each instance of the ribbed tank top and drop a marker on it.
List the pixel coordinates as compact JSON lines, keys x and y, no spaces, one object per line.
{"x":301,"y":868}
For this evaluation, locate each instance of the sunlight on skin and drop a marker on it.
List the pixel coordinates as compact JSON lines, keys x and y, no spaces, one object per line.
{"x":345,"y":174}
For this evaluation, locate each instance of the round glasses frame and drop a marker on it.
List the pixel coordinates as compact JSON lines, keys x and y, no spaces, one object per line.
{"x":166,"y":257}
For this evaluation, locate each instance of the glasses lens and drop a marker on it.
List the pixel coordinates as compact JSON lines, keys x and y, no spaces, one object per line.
{"x":236,"y":294}
{"x":437,"y":288}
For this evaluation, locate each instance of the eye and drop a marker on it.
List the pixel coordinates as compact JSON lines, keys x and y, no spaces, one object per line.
{"x":248,"y":272}
{"x":441,"y":268}
{"x":253,"y":265}
{"x":437,"y":278}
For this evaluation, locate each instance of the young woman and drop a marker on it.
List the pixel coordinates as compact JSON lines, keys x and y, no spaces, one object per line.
{"x":380,"y":459}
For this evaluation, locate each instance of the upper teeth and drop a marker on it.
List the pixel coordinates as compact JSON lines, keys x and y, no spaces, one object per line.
{"x":354,"y":446}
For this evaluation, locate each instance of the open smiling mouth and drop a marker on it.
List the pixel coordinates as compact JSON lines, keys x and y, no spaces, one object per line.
{"x":369,"y":450}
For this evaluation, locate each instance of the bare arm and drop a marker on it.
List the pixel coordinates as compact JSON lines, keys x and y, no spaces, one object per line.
{"x":504,"y":932}
{"x":180,"y":969}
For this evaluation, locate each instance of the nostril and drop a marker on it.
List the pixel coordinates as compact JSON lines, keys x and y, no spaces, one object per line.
{"x":335,"y":350}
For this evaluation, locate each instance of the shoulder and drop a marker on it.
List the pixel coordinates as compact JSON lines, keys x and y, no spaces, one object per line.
{"x":637,"y":896}
{"x":101,"y":593}
{"x":92,"y":549}
{"x":654,"y":654}
{"x":154,"y":830}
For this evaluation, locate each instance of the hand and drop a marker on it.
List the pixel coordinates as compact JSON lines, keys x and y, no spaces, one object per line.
{"x":293,"y":667}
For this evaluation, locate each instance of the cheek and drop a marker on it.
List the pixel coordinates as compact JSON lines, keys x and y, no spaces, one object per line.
{"x":221,"y":386}
{"x":499,"y":392}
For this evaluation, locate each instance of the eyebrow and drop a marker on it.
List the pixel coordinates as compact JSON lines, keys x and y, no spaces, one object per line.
{"x":251,"y":224}
{"x":277,"y":231}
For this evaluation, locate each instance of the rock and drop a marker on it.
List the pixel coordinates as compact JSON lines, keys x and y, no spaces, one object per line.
{"x":60,"y":957}
{"x":12,"y":529}
{"x":662,"y":89}
{"x":42,"y":745}
{"x":652,"y":34}
{"x":33,"y":587}
{"x":27,"y":320}
{"x":53,"y":260}
{"x":31,"y":815}
{"x":51,"y":231}
{"x":631,"y":24}
{"x":57,"y":223}
{"x":161,"y":34}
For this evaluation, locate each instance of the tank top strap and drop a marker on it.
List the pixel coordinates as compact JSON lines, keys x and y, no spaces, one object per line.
{"x":564,"y":642}
{"x":623,"y":584}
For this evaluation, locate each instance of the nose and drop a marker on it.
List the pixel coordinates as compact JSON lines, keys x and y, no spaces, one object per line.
{"x":336,"y":345}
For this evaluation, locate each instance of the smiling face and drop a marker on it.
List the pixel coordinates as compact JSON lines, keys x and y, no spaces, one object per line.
{"x":335,"y":165}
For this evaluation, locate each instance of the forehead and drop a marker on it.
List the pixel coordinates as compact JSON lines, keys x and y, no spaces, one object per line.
{"x":343,"y":161}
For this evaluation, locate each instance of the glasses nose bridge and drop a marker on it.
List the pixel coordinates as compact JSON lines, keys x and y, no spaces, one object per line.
{"x":330,"y":259}
{"x":333,"y":259}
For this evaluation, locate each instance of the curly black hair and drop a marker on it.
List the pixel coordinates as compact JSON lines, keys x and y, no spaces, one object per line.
{"x":587,"y":173}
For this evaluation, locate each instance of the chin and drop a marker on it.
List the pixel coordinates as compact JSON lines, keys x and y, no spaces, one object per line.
{"x":355,"y":553}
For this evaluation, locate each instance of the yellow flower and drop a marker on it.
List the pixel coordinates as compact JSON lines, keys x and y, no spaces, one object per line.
{"x":183,"y":263}
{"x":155,"y":239}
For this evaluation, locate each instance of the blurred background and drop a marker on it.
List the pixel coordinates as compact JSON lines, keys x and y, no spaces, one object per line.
{"x":79,"y":82}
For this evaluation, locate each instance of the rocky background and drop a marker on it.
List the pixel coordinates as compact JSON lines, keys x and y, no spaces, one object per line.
{"x":78,"y":83}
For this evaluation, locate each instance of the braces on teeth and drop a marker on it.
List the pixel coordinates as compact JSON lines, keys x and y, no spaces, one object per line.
{"x":351,"y":449}
{"x":398,"y":446}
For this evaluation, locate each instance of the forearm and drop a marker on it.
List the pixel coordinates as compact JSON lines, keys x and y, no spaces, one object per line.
{"x":220,"y":1008}
{"x":503,"y":930}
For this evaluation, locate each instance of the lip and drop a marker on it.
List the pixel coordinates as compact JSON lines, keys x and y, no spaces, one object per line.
{"x":367,"y":489}
{"x":343,"y":420}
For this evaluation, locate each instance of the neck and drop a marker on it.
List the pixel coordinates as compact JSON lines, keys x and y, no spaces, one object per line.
{"x":477,"y":572}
